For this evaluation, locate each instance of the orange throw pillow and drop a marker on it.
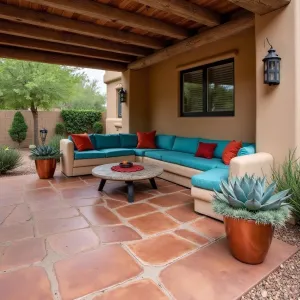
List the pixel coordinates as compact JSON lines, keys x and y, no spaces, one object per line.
{"x":82,"y":142}
{"x":231,"y":151}
{"x":146,"y":140}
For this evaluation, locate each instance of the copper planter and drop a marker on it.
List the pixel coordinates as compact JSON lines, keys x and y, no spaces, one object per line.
{"x":248,"y":242}
{"x":45,"y":167}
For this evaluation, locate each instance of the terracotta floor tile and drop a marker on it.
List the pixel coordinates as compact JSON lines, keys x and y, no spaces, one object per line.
{"x":133,"y":210}
{"x":82,"y":192}
{"x":84,"y":201}
{"x":62,"y":178}
{"x":56,"y":213}
{"x":161,"y":182}
{"x":11,"y":198}
{"x":171,"y":200}
{"x":209,"y":227}
{"x":31,"y":281}
{"x":23,"y":253}
{"x":46,"y":204}
{"x":69,"y":184}
{"x":120,"y":233}
{"x":95,"y":270}
{"x":135,"y":291}
{"x":138,"y":196}
{"x":74,"y":241}
{"x":16,"y":232}
{"x":33,"y":182}
{"x":9,"y":184}
{"x":99,"y":215}
{"x":183,"y":213}
{"x":187,"y":192}
{"x":52,"y":226}
{"x":20,"y":214}
{"x":210,"y":272}
{"x":5,"y":211}
{"x":192,"y":236}
{"x":161,"y":249}
{"x":41,"y":194}
{"x":114,"y":203}
{"x":171,"y":189}
{"x":153,"y":223}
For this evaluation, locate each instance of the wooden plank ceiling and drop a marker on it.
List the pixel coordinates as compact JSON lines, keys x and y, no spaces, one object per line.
{"x":118,"y":34}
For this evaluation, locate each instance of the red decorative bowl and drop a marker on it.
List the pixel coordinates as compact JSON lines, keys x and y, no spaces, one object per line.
{"x":126,"y":165}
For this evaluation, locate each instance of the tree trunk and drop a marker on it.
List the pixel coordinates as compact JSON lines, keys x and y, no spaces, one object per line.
{"x":35,"y":125}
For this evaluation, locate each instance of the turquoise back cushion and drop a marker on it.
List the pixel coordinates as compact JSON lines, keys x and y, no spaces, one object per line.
{"x":247,"y":149}
{"x":164,"y":141}
{"x":104,"y":141}
{"x":221,"y":144}
{"x":91,"y":136}
{"x":128,"y":140}
{"x":187,"y":145}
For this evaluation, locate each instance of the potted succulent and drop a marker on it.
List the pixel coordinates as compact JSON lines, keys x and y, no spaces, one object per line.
{"x":251,"y":212}
{"x":45,"y":160}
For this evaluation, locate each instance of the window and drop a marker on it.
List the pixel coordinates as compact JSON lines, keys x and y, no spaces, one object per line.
{"x":208,"y":90}
{"x":119,"y":107}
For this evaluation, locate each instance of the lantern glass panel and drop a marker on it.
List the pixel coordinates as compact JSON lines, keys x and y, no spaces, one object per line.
{"x":271,"y":76}
{"x":272,"y":65}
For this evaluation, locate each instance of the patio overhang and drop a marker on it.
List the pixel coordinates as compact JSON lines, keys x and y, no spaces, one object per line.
{"x":119,"y":35}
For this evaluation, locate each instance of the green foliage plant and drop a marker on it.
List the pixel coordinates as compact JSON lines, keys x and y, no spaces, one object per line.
{"x":80,"y":121}
{"x":18,"y":129}
{"x":55,"y":141}
{"x":44,"y":152}
{"x":287,"y":176}
{"x":60,"y":129}
{"x":97,"y":127}
{"x":10,"y":159}
{"x":248,"y":198}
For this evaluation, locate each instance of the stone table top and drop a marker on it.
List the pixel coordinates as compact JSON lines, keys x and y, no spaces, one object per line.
{"x":105,"y":172}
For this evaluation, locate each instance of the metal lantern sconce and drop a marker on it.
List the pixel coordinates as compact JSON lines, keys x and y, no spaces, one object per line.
{"x":122,"y":95}
{"x":271,"y":67}
{"x":43,"y":135}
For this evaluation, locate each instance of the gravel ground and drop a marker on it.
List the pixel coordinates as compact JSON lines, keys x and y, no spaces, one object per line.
{"x":284,"y":283}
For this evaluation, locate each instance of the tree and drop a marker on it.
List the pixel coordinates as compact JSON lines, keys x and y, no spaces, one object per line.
{"x":31,"y":85}
{"x":18,"y":129}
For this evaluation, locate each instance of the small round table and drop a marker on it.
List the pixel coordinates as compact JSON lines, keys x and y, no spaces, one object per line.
{"x":106,"y":173}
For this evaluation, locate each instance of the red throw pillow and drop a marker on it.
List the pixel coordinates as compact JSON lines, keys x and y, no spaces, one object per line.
{"x":206,"y":150}
{"x":146,"y":140}
{"x":231,"y":151}
{"x":82,"y":142}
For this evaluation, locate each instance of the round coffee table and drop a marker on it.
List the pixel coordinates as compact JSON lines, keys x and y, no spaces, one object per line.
{"x":106,"y":173}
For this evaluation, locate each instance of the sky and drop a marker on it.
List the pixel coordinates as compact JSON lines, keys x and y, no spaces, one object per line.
{"x":98,"y":75}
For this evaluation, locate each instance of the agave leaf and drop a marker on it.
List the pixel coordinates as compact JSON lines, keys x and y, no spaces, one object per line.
{"x":268,"y":193}
{"x":245,"y":185}
{"x":239,"y":193}
{"x":257,"y":192}
{"x":253,"y":205}
{"x":219,"y":196}
{"x":227,"y":188}
{"x":251,"y":194}
{"x":235,"y":203}
{"x":278,"y":196}
{"x":276,"y":204}
{"x":263,"y":183}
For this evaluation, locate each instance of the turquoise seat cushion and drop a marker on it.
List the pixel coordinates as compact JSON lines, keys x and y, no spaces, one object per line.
{"x":91,"y":136}
{"x":175,"y":157}
{"x":246,"y":150}
{"x":114,"y":152}
{"x":90,"y":154}
{"x":210,"y":180}
{"x":186,"y":145}
{"x":128,"y":140}
{"x":142,"y":152}
{"x":155,"y":153}
{"x":104,"y":141}
{"x":203,"y":164}
{"x":164,"y":141}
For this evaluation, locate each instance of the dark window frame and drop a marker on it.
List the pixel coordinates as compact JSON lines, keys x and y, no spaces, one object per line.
{"x":206,"y":113}
{"x":119,"y":104}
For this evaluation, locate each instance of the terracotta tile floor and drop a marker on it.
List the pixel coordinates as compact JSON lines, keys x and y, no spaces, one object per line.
{"x":61,"y":239}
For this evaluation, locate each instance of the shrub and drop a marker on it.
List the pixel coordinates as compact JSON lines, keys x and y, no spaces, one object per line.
{"x":80,"y":121}
{"x":9,"y":159}
{"x":60,"y":129}
{"x":18,"y":129}
{"x":55,"y":141}
{"x":97,"y":127}
{"x":287,"y":176}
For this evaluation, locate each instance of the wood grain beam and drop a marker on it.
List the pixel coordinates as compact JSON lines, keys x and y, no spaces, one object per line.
{"x":101,"y":11}
{"x":47,"y":20}
{"x":185,"y":9}
{"x":59,"y":59}
{"x":211,"y":35}
{"x":10,"y":40}
{"x":50,"y":35}
{"x":261,"y":7}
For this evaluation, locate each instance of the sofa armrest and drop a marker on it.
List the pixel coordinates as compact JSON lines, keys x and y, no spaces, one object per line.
{"x":260,"y":164}
{"x":67,"y":159}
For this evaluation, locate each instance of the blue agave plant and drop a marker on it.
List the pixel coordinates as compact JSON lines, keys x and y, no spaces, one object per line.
{"x":251,"y":193}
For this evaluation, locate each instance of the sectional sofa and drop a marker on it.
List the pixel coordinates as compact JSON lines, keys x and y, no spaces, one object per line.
{"x":176,"y":155}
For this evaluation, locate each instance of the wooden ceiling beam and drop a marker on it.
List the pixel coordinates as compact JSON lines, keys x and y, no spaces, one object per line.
{"x":211,"y":35}
{"x":30,"y":31}
{"x":60,"y":59}
{"x":10,"y":40}
{"x":185,"y":9}
{"x":47,"y":20}
{"x":101,"y":11}
{"x":261,"y":7}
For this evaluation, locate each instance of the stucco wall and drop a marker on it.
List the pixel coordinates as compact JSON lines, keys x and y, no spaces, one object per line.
{"x":163,"y":91}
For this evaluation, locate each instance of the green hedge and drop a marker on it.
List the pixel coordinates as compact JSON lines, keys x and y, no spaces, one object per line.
{"x":80,"y":121}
